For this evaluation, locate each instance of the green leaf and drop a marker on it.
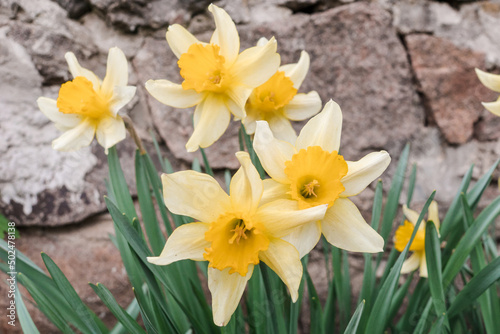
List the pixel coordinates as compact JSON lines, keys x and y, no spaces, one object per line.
{"x":316,"y":313}
{"x":295,"y":310}
{"x":27,"y":323}
{"x":352,"y":326}
{"x":476,"y":287}
{"x":123,"y":317}
{"x":133,"y":310}
{"x":422,"y":323}
{"x":411,"y":184}
{"x":70,"y":295}
{"x":208,"y":169}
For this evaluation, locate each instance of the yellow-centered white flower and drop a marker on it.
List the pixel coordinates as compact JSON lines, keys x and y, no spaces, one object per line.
{"x":87,"y":106}
{"x":277,"y":102}
{"x":312,"y":173}
{"x":492,"y":81}
{"x":218,"y":79}
{"x":233,"y":233}
{"x":403,"y":235}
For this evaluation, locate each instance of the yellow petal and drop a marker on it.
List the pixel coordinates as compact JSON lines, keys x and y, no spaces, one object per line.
{"x":361,"y":173}
{"x":272,"y":152}
{"x":75,"y":138}
{"x":297,"y":72}
{"x":116,"y":71}
{"x":411,"y":263}
{"x":344,"y":227}
{"x":256,"y":65}
{"x":211,"y":119}
{"x":282,"y":128}
{"x":122,"y":95}
{"x":195,"y":195}
{"x":434,"y":214}
{"x":304,"y":237}
{"x":493,"y":107}
{"x":411,"y":215}
{"x":110,"y":131}
{"x":303,"y":106}
{"x":173,"y":94}
{"x":323,"y":129}
{"x":186,"y":242}
{"x":238,"y":96}
{"x":492,"y":81}
{"x":225,"y":34}
{"x":423,"y":265}
{"x":246,"y":186}
{"x":76,"y":70}
{"x":250,"y":119}
{"x":62,"y":121}
{"x":274,"y":190}
{"x":179,"y":39}
{"x":226,"y":290}
{"x":281,"y":217}
{"x":284,"y":260}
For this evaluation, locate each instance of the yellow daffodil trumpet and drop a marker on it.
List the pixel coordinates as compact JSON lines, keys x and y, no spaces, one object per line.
{"x":233,"y":232}
{"x":312,"y":173}
{"x":87,"y":106}
{"x":218,"y":79}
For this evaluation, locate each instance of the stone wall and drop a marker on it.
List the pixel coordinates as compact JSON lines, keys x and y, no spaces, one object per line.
{"x":402,"y":71}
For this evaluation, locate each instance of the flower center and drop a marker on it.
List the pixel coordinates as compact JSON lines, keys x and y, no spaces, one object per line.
{"x":315,"y":176}
{"x":235,"y":243}
{"x":202,"y":68}
{"x":403,"y":235}
{"x":274,"y":94}
{"x":79,"y":97}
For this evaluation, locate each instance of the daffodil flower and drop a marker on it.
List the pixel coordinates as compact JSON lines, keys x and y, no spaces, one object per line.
{"x":313,"y":173}
{"x":492,"y":81}
{"x":218,"y":79}
{"x":87,"y":106}
{"x":277,"y":102}
{"x":403,"y":235}
{"x":233,"y":233}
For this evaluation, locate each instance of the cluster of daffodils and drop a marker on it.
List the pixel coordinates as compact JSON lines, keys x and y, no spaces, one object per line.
{"x":277,"y":220}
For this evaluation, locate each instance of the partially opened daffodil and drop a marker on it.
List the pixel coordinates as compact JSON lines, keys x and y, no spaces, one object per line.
{"x":218,"y":79}
{"x":403,"y":235}
{"x":492,"y":81}
{"x":87,"y":106}
{"x":312,"y":173}
{"x":233,"y":233}
{"x":277,"y":102}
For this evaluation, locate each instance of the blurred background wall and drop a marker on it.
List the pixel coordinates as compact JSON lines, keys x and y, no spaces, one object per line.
{"x":402,"y":71}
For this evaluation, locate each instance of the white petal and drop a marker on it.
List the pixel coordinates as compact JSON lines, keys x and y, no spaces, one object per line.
{"x":173,"y":94}
{"x":272,"y":152}
{"x":179,"y":39}
{"x":226,"y":290}
{"x":423,"y":265}
{"x":250,"y":119}
{"x":195,"y":195}
{"x":281,"y":217}
{"x":323,"y":129}
{"x":75,"y":138}
{"x":77,"y":71}
{"x":361,"y":173}
{"x":246,"y":186}
{"x":186,"y":242}
{"x":493,"y":107}
{"x":304,"y":237}
{"x":344,"y":227}
{"x":274,"y":190}
{"x":297,"y":72}
{"x":282,"y":129}
{"x":225,"y":34}
{"x":411,"y":215}
{"x":238,"y":96}
{"x":284,"y":260}
{"x":49,"y":108}
{"x":211,"y":119}
{"x":256,"y":65}
{"x":122,"y":95}
{"x":303,"y":106}
{"x":116,"y":71}
{"x":411,"y":263}
{"x":492,"y":81}
{"x":110,"y":131}
{"x":434,"y":214}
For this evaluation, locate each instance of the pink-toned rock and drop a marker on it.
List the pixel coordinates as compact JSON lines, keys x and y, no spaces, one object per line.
{"x":449,"y":84}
